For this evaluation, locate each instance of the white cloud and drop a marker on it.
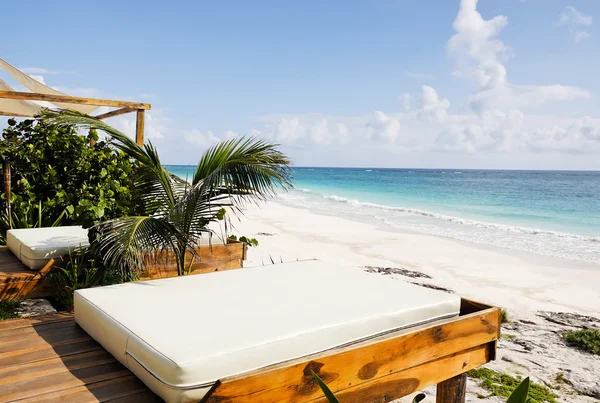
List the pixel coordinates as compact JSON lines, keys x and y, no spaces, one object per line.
{"x":200,"y":139}
{"x":420,"y":76}
{"x":581,"y":35}
{"x":406,"y":100}
{"x":576,"y":21}
{"x":383,"y":128}
{"x":432,"y":105}
{"x":38,"y":78}
{"x":571,"y":16}
{"x":475,"y":48}
{"x":156,"y":123}
{"x":36,"y":70}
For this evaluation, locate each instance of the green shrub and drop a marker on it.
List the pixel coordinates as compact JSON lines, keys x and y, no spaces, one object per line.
{"x":585,"y":339}
{"x":80,"y":270}
{"x":503,"y":385}
{"x":8,"y":309}
{"x":59,"y":167}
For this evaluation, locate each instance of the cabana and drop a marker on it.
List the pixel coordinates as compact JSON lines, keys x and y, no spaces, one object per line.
{"x":20,"y":104}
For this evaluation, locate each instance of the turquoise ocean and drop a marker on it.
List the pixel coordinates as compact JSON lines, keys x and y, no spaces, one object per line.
{"x":554,"y":213}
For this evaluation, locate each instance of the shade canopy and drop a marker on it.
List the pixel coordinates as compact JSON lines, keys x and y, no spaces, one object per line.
{"x":20,"y":107}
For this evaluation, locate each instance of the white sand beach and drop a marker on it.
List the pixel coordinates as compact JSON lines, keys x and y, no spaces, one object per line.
{"x":525,"y":284}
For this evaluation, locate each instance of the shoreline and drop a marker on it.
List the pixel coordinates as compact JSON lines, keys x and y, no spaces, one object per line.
{"x":534,"y":289}
{"x":489,"y":273}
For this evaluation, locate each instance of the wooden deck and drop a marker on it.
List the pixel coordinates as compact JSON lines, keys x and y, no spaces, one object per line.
{"x":51,"y":359}
{"x":17,"y":281}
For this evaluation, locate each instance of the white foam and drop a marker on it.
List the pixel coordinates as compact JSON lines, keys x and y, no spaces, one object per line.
{"x":547,"y":242}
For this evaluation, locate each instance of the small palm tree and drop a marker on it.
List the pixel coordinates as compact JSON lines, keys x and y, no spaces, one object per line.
{"x":174,"y":213}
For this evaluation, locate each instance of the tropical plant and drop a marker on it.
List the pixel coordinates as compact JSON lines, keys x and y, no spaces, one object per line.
{"x":80,"y":270}
{"x":85,"y":179}
{"x":248,"y":241}
{"x":27,"y":215}
{"x":173,"y":213}
{"x":519,"y":395}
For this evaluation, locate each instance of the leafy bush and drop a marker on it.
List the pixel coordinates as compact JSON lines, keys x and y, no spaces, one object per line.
{"x":8,"y":309}
{"x":585,"y":339}
{"x":59,"y":167}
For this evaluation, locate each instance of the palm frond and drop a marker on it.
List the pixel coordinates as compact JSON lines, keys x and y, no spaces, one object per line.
{"x":244,"y":167}
{"x":123,"y":243}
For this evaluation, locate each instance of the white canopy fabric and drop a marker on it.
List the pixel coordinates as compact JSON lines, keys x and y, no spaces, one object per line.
{"x":20,"y":107}
{"x":17,"y":106}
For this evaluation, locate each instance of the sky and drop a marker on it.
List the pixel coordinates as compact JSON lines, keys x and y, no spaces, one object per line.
{"x":489,"y":84}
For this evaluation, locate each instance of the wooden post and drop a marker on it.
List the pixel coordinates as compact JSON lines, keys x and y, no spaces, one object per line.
{"x":452,"y":390}
{"x":7,"y":179}
{"x":139,"y":128}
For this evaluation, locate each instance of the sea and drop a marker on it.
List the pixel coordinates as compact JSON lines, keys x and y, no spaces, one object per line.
{"x":552,"y":213}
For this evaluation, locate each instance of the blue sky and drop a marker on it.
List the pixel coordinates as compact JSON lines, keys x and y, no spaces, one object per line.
{"x":338,"y":83}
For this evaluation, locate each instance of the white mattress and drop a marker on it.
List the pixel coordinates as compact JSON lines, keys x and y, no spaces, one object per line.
{"x":180,"y":335}
{"x":36,"y":246}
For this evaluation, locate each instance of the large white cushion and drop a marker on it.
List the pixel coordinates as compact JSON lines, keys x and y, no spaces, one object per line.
{"x":180,"y":335}
{"x":36,"y":246}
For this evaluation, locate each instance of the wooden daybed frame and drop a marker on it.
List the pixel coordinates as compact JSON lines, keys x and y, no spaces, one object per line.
{"x":379,"y":370}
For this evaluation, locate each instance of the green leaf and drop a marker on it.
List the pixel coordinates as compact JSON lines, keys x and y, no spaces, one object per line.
{"x":326,"y":391}
{"x":521,"y":393}
{"x":419,"y":397}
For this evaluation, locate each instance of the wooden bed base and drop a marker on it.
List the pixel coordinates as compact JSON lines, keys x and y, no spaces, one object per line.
{"x":19,"y":282}
{"x":381,"y":369}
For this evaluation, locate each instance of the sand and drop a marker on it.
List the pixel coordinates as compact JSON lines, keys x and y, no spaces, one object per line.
{"x":525,"y":284}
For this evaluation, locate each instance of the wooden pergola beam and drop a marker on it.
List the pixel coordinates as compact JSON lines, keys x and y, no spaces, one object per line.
{"x":32,"y":96}
{"x":114,"y":113}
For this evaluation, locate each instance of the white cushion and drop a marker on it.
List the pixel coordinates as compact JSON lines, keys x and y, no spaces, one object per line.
{"x":180,"y":335}
{"x":36,"y":246}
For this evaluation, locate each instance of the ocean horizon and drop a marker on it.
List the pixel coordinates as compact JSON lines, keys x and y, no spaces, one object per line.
{"x":553,"y":213}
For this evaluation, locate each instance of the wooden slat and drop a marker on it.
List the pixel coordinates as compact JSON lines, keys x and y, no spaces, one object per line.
{"x":48,"y":351}
{"x":114,"y":113}
{"x":353,"y":365}
{"x":32,"y":96}
{"x":28,"y":388}
{"x":38,"y":320}
{"x":127,"y":388}
{"x":402,"y":383}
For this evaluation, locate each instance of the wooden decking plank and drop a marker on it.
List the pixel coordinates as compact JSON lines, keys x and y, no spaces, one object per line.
{"x":47,"y":319}
{"x":48,"y":352}
{"x":41,"y":330}
{"x":37,"y":369}
{"x":127,"y":389}
{"x":60,"y":381}
{"x":33,"y":341}
{"x":51,"y":359}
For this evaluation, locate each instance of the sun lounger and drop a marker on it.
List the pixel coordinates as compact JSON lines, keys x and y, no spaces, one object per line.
{"x":36,"y":246}
{"x":184,"y":337}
